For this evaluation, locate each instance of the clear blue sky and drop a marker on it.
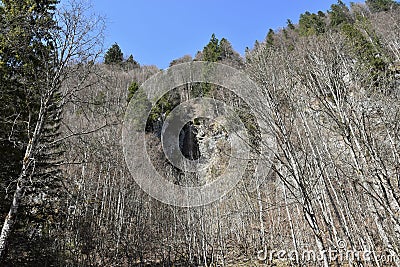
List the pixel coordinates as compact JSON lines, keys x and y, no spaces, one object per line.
{"x":157,"y":31}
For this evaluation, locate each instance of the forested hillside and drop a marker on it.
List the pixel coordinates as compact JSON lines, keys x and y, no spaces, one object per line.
{"x":328,"y":95}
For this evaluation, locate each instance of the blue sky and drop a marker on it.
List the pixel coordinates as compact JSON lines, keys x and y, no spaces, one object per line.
{"x":157,"y":31}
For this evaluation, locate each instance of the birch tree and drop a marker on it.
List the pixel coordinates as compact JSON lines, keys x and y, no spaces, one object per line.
{"x":41,"y":44}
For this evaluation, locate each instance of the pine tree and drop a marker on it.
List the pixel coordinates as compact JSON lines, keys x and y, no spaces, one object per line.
{"x":114,"y":55}
{"x":27,"y":60}
{"x":367,"y":52}
{"x":211,"y":51}
{"x":312,"y":24}
{"x":339,"y":14}
{"x":290,"y":25}
{"x":131,"y":63}
{"x":270,"y":38}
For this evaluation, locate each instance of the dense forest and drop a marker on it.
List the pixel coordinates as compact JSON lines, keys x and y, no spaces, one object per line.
{"x":328,"y":94}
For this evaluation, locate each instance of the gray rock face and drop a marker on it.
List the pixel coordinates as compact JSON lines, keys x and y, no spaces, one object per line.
{"x":214,"y":149}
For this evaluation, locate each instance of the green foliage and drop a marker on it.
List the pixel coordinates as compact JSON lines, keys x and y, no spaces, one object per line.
{"x":114,"y":55}
{"x":132,"y":89}
{"x":211,"y":51}
{"x":312,"y":24}
{"x":217,"y":51}
{"x":26,"y":54}
{"x":270,"y":37}
{"x":139,"y":105}
{"x":162,"y":108}
{"x":27,"y":60}
{"x":381,"y":5}
{"x":222,"y":50}
{"x":339,"y":14}
{"x":290,"y":25}
{"x":131,"y":63}
{"x":366,"y":50}
{"x":214,"y":51}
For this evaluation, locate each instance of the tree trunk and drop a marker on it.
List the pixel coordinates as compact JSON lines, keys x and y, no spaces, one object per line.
{"x":12,"y":213}
{"x":9,"y":221}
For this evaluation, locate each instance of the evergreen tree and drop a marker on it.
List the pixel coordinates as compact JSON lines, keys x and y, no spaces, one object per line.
{"x":29,"y":121}
{"x":290,"y":24}
{"x":217,"y":50}
{"x":367,"y":52}
{"x":131,"y":63}
{"x":339,"y":14}
{"x":381,"y":5}
{"x":311,"y":24}
{"x":211,"y":51}
{"x":270,"y":37}
{"x":114,"y":55}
